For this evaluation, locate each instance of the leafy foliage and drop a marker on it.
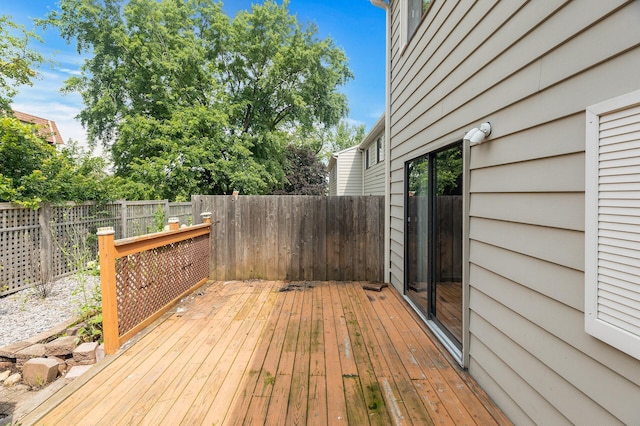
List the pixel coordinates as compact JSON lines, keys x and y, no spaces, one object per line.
{"x":191,"y":101}
{"x":306,"y":174}
{"x":32,"y":171}
{"x":17,"y":60}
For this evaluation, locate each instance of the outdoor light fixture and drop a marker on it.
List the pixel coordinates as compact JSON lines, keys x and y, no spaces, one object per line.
{"x":476,"y":135}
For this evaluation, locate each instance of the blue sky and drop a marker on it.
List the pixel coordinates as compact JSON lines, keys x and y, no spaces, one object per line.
{"x":356,"y":26}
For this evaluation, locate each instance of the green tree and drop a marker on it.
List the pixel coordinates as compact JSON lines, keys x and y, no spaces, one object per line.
{"x":343,"y":136}
{"x":32,"y":171}
{"x":191,"y":101}
{"x":306,"y":174}
{"x":17,"y":60}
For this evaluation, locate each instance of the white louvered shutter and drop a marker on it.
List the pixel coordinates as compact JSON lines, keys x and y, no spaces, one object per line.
{"x":612,"y":227}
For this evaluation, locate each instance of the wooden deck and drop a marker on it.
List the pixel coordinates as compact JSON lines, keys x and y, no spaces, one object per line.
{"x":280,"y":353}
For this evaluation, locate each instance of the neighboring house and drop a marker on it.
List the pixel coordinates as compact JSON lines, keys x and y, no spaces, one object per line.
{"x":373,"y":150}
{"x":345,"y":172}
{"x":46,"y":128}
{"x":360,"y":169}
{"x":490,"y":242}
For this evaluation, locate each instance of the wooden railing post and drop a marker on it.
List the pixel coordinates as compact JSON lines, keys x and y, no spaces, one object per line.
{"x":174,"y":224}
{"x":206,"y":217}
{"x":108,"y":285}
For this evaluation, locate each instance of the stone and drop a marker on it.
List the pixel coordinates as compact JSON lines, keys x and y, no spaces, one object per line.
{"x":76,"y":372}
{"x":5,"y":375}
{"x":10,"y":351}
{"x":6,"y":365}
{"x":40,"y":371}
{"x":86,"y":352}
{"x":100,"y":353}
{"x":62,"y":364}
{"x":72,"y":362}
{"x":33,"y":351}
{"x":73,"y":330}
{"x":61,"y":346}
{"x":12,"y":380}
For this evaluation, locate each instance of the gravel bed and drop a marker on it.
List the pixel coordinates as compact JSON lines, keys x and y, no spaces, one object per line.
{"x":24,"y":314}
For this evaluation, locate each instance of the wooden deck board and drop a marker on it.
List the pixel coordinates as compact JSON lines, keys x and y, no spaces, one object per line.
{"x":249,"y":353}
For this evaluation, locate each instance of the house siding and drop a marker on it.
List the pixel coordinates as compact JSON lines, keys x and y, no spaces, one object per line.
{"x":347,"y":179}
{"x":374,"y":180}
{"x":531,"y":69}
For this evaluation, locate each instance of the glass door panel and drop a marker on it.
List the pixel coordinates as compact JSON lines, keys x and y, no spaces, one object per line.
{"x":434,"y":238}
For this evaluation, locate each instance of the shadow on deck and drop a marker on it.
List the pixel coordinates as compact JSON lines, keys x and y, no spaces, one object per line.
{"x":262,"y":352}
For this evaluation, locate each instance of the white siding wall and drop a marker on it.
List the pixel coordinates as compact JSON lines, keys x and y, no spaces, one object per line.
{"x":349,"y":172}
{"x":531,"y":68}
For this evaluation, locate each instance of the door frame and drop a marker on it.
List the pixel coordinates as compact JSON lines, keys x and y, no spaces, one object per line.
{"x":460,"y":355}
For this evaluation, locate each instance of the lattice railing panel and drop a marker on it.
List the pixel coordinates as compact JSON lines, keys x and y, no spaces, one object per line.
{"x":149,"y":280}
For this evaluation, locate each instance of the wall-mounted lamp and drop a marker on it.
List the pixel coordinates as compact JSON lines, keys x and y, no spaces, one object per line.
{"x":476,"y":135}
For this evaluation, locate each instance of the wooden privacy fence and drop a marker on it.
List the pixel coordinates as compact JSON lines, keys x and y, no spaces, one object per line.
{"x":51,"y":242}
{"x":142,"y":277}
{"x":295,"y":237}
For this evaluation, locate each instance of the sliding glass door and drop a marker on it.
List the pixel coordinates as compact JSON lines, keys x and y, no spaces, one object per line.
{"x":434,"y":239}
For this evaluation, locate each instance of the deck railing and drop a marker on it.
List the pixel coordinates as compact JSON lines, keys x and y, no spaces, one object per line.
{"x":143,"y":277}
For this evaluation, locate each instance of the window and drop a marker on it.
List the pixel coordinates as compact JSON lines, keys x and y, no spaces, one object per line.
{"x":371,"y":159}
{"x":380,"y":146}
{"x":416,"y":9}
{"x":612,"y":225}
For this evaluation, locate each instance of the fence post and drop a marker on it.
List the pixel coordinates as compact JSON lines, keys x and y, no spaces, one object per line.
{"x":123,"y":218}
{"x":46,"y":242}
{"x":107,"y":253}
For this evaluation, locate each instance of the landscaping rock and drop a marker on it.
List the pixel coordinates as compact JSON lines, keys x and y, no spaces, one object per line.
{"x":40,"y":371}
{"x":10,"y":351}
{"x":5,"y":365}
{"x":62,"y":364}
{"x":73,"y":330}
{"x":86,"y":352}
{"x":33,"y":351}
{"x":72,"y":362}
{"x":61,"y":346}
{"x":13,"y":380}
{"x":100,"y":353}
{"x":76,"y":372}
{"x":5,"y":375}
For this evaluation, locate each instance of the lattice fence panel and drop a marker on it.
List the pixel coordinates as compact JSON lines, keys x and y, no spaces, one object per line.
{"x":182,"y":211}
{"x":143,"y":218}
{"x":149,"y":280}
{"x":73,"y":230}
{"x":19,"y":249}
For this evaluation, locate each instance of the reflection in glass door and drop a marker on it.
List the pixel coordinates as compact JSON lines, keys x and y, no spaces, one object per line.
{"x":434,"y":239}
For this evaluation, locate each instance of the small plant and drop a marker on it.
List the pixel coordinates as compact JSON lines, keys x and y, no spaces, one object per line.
{"x":39,"y":381}
{"x":92,"y":331}
{"x":159,"y":219}
{"x":41,"y":279}
{"x":269,"y":379}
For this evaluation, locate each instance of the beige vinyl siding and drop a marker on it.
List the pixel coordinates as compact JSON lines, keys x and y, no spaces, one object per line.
{"x":531,"y":69}
{"x":374,"y":180}
{"x":348,"y":165}
{"x":333,"y":176}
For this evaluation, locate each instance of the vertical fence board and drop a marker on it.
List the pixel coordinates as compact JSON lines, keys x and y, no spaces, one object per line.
{"x":270,"y":243}
{"x":319,"y":230}
{"x":295,"y":237}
